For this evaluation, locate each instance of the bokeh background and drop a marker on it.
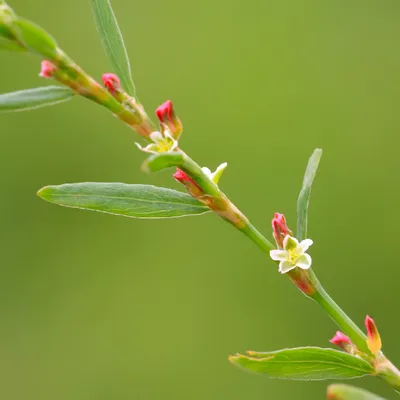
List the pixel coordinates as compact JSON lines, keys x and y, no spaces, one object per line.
{"x":97,"y":307}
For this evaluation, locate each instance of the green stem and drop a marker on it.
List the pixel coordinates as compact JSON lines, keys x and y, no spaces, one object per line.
{"x":388,"y":373}
{"x":342,"y":320}
{"x":258,"y":238}
{"x":196,"y":173}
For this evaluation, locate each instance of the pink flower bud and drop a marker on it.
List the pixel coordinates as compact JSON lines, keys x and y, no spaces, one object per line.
{"x":111,"y":82}
{"x":341,"y":340}
{"x":191,"y":186}
{"x":374,"y":342}
{"x":166,"y":115}
{"x":47,"y":70}
{"x":280,"y":229}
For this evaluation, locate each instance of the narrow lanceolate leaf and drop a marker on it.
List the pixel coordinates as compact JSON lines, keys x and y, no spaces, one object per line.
{"x":135,"y":201}
{"x":35,"y":38}
{"x":346,"y":392}
{"x":30,"y":99}
{"x":113,"y":43}
{"x":304,"y":197}
{"x":158,"y":162}
{"x":304,"y":363}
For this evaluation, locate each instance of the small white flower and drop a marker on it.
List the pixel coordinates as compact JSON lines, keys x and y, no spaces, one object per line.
{"x":294,"y":254}
{"x":162,"y":143}
{"x":215,"y":176}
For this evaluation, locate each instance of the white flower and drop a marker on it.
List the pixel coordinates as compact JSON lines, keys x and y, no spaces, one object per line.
{"x":162,"y":143}
{"x":215,"y":176}
{"x":294,"y":254}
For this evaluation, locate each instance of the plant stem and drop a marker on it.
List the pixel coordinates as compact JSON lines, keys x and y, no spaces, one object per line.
{"x":196,"y":173}
{"x":342,"y":320}
{"x":388,"y":373}
{"x":258,"y":238}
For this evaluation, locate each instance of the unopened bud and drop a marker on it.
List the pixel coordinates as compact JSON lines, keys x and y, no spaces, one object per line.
{"x":111,"y":82}
{"x":280,"y":229}
{"x":167,"y":117}
{"x":191,"y":186}
{"x":374,"y":342}
{"x":344,"y":342}
{"x":47,"y":70}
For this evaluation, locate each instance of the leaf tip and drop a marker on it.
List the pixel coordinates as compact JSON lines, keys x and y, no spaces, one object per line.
{"x":233,"y":358}
{"x":44,"y":193}
{"x":145,"y":167}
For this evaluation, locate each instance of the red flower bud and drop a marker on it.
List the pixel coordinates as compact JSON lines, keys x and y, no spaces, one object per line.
{"x":192,"y":187}
{"x":280,"y":229}
{"x":111,"y":82}
{"x":47,"y":70}
{"x":166,"y":115}
{"x":374,"y":342}
{"x":181,"y":176}
{"x":341,"y":340}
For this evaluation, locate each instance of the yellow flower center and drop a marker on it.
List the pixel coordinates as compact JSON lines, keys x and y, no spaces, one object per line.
{"x":164,"y":145}
{"x":293,"y":256}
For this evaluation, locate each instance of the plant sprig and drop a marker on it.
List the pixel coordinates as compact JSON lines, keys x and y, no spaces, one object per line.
{"x":361,"y":354}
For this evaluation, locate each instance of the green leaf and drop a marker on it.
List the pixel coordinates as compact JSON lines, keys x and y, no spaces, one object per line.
{"x":346,"y":392}
{"x":304,"y":363}
{"x":113,"y":43}
{"x":10,"y":45}
{"x":7,"y":17}
{"x":30,"y":99}
{"x":35,"y":38}
{"x":304,"y":197}
{"x":158,"y":162}
{"x":136,"y":201}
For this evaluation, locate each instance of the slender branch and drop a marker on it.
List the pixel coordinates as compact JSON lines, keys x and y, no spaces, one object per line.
{"x":342,"y":320}
{"x":130,"y":111}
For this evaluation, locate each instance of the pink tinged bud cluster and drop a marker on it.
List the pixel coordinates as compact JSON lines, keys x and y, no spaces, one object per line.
{"x":341,"y":340}
{"x":191,"y":186}
{"x":47,"y":69}
{"x":111,"y":82}
{"x":280,"y":229}
{"x":374,"y":342}
{"x":168,"y":119}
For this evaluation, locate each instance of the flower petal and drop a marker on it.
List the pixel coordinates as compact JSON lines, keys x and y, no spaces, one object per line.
{"x":290,"y":242}
{"x":304,"y":245}
{"x":285,"y":266}
{"x":207,"y":171}
{"x":151,"y":148}
{"x":304,"y":261}
{"x":279,"y":255}
{"x":218,"y":173}
{"x":156,"y":136}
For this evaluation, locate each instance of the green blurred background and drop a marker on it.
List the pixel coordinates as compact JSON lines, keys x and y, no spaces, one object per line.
{"x":98,"y":307}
